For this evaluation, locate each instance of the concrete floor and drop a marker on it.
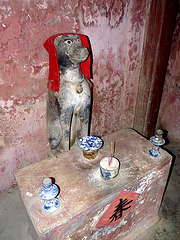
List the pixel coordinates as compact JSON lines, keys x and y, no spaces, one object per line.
{"x":14,"y":223}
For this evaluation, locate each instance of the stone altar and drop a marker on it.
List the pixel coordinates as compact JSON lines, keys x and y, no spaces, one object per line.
{"x":85,"y":197}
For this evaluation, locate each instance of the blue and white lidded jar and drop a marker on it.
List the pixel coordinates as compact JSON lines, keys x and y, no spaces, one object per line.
{"x":48,"y":193}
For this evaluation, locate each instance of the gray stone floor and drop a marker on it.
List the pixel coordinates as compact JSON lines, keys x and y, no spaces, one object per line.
{"x":14,"y":224}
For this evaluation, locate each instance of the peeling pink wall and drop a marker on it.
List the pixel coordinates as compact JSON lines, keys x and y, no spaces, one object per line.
{"x":169,"y":113}
{"x":116,"y":31}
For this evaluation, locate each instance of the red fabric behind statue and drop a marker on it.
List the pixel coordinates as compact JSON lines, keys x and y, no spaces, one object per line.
{"x":54,"y":79}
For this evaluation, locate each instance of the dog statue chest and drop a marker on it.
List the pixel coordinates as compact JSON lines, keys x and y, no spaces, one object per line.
{"x":73,"y":85}
{"x":70,"y":96}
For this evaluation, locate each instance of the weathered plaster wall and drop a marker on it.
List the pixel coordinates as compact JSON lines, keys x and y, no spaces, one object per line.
{"x":116,"y":31}
{"x":169,"y":113}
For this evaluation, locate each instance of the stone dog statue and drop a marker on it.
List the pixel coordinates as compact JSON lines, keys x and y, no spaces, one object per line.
{"x":69,"y":90}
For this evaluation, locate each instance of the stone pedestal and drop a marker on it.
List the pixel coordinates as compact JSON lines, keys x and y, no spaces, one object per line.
{"x":87,"y":201}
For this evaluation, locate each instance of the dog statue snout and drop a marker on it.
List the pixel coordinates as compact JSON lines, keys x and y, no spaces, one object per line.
{"x":78,"y":54}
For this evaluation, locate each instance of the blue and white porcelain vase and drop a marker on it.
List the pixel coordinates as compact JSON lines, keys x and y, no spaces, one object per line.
{"x":154,"y":152}
{"x":157,"y":141}
{"x":48,"y":193}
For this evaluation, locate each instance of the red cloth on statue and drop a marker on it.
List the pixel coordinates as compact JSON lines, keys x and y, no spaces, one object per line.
{"x":54,"y":79}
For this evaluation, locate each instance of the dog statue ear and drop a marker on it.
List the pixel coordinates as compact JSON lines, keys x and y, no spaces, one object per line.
{"x":56,"y":41}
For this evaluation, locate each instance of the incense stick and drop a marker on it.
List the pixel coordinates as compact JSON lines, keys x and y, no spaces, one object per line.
{"x":112,"y":150}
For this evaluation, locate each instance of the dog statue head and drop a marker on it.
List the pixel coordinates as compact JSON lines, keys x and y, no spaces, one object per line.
{"x":67,"y":50}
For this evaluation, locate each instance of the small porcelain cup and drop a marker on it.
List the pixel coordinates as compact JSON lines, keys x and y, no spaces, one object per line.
{"x":109,"y":173}
{"x":90,"y":146}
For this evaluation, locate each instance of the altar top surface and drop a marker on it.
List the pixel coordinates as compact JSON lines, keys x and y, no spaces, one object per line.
{"x":79,"y":179}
